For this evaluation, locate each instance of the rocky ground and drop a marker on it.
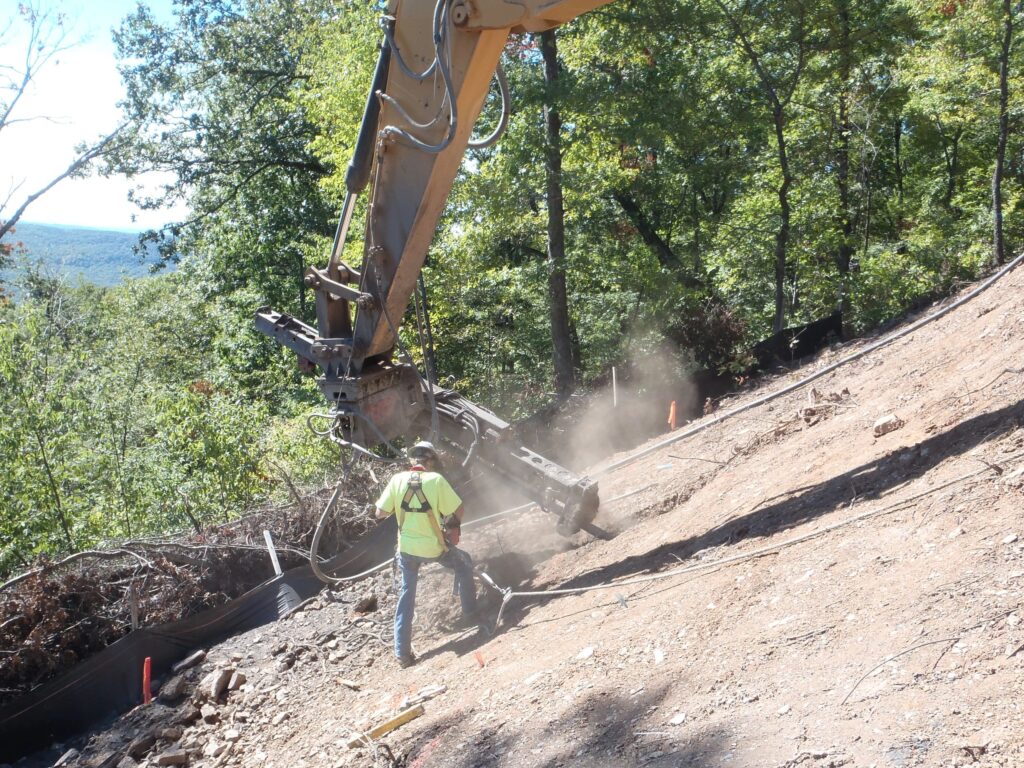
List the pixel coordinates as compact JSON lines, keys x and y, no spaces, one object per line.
{"x":835,"y":580}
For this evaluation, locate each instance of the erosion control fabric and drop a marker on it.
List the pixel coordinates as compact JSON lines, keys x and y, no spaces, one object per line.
{"x":110,"y":682}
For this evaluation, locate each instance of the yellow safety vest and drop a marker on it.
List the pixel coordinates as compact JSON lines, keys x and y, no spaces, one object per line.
{"x":420,"y":501}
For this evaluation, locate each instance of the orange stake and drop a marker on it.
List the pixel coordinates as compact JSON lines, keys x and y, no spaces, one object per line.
{"x":147,"y":677}
{"x":672,"y":415}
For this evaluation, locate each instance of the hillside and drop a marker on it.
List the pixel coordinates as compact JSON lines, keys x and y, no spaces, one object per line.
{"x":830,"y":598}
{"x":100,"y":256}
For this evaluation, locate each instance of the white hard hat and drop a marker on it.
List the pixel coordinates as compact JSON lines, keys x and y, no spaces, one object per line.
{"x":423,"y":449}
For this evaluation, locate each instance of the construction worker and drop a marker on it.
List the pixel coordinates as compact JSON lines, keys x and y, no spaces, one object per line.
{"x":429,"y":515}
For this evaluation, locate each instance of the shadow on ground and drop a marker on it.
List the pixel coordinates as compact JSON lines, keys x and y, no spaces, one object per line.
{"x":601,"y":729}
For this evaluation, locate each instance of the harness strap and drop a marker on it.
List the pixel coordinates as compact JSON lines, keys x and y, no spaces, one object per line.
{"x":414,"y":490}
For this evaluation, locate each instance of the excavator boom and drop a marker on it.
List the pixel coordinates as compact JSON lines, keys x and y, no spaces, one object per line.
{"x":436,"y":65}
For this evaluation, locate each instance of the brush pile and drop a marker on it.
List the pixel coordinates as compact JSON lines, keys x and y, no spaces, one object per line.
{"x":59,"y":613}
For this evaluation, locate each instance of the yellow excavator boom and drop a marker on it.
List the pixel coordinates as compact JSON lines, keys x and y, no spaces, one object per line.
{"x":438,"y":59}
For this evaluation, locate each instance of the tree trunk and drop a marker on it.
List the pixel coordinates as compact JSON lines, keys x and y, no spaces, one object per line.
{"x":698,"y":260}
{"x":58,"y":507}
{"x":897,"y":138}
{"x":782,"y":236}
{"x":845,"y":219}
{"x":778,"y":93}
{"x":662,"y":250}
{"x":558,"y":302}
{"x":998,"y":247}
{"x":951,"y":151}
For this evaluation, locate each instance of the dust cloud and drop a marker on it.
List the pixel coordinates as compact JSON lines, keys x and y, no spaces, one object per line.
{"x":582,"y":432}
{"x":590,"y":428}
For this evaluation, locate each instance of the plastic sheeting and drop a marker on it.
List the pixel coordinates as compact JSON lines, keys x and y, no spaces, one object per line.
{"x":110,"y":682}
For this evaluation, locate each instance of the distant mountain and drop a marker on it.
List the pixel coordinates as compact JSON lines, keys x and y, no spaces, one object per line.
{"x":99,"y":256}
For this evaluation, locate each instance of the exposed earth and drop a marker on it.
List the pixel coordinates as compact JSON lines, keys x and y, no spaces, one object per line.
{"x":826,"y":597}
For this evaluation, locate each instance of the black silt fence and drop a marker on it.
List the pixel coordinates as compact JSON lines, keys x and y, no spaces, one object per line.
{"x":110,"y":682}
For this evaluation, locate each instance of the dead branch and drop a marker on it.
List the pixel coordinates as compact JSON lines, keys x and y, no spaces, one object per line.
{"x":955,"y":638}
{"x":904,"y":652}
{"x":697,"y":458}
{"x":291,"y":485}
{"x":96,"y":554}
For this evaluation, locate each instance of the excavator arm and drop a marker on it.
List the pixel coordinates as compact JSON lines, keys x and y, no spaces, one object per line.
{"x":436,"y":65}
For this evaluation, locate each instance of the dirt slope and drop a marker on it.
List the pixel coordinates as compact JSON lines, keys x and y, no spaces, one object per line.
{"x":865,"y":611}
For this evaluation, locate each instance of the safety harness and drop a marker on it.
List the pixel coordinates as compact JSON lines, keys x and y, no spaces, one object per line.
{"x":414,"y":490}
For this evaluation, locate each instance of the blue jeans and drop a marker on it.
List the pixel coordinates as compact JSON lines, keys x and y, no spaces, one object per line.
{"x":409,"y":565}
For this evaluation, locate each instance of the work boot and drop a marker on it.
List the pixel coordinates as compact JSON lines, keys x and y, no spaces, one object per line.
{"x":406,"y":660}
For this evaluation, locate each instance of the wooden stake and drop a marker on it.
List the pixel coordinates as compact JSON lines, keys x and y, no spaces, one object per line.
{"x":615,"y":389}
{"x":364,"y":739}
{"x":133,"y":603}
{"x":273,"y":552}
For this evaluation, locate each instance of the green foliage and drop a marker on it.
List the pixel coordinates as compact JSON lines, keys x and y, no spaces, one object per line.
{"x":214,"y":438}
{"x":135,"y":410}
{"x":213,"y":105}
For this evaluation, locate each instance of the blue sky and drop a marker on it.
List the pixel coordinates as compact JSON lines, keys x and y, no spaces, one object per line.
{"x":78,"y":94}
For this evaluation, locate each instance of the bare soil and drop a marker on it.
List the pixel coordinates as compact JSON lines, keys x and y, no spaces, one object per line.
{"x":828,"y":598}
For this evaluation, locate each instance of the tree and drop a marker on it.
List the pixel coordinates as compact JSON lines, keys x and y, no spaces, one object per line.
{"x":214,"y":103}
{"x":998,"y":246}
{"x":775,"y":40}
{"x":41,"y":35}
{"x":852,"y":96}
{"x":124,"y":414}
{"x":558,"y":301}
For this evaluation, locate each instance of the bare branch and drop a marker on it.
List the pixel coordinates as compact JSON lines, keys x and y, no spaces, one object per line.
{"x":84,"y":158}
{"x":47,"y":37}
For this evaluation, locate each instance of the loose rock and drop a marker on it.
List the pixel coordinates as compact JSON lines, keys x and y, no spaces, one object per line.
{"x":103,"y":760}
{"x":173,"y":757}
{"x":887,"y":424}
{"x":214,"y":749}
{"x":237,"y":681}
{"x":366,"y":604}
{"x":66,"y":758}
{"x":215,"y":683}
{"x":141,"y":746}
{"x":173,"y":689}
{"x":188,"y":714}
{"x":171,"y":734}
